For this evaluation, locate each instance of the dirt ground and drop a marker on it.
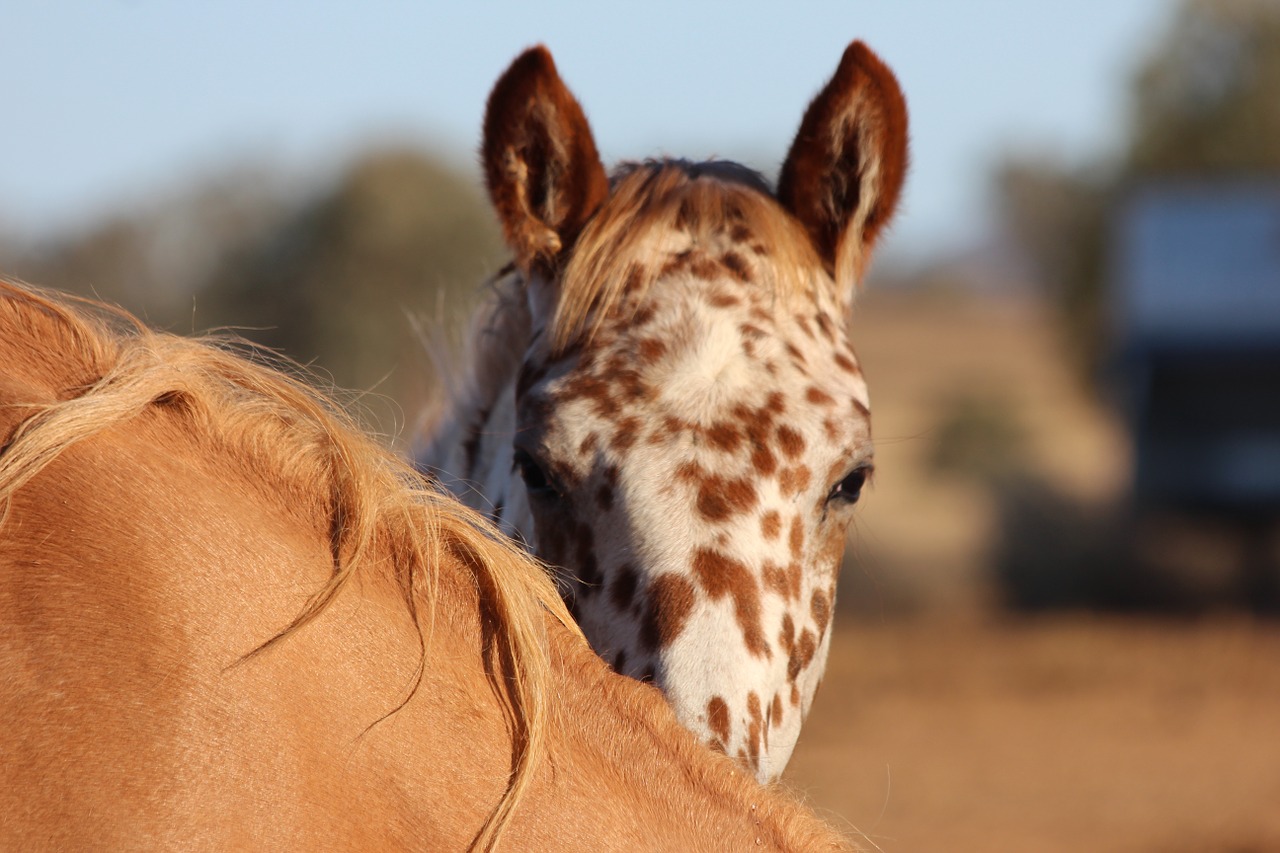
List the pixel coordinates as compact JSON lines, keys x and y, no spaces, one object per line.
{"x":1066,"y":733}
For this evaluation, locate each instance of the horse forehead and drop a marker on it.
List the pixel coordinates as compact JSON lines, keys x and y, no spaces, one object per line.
{"x":707,"y":346}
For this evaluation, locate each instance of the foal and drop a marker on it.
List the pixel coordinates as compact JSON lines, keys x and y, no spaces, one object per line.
{"x":664,"y":401}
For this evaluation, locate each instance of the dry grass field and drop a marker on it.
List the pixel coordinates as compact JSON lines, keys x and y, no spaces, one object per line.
{"x":1061,"y":734}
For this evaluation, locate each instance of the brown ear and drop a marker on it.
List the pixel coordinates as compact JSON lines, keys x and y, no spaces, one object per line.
{"x":540,"y":162}
{"x":844,"y":174}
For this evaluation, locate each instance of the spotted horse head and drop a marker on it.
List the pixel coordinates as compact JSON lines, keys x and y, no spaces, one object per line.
{"x":665,"y":403}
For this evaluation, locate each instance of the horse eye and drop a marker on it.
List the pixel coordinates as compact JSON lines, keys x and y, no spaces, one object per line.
{"x":849,"y":489}
{"x":536,"y":481}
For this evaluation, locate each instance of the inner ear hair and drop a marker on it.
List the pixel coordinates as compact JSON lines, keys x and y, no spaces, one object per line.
{"x":844,"y":174}
{"x":541,"y":165}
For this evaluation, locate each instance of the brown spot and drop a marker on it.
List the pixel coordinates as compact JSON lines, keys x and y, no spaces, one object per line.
{"x":622,"y":589}
{"x":588,"y":445}
{"x":787,"y":634}
{"x":796,"y":538}
{"x":718,"y":718}
{"x":722,"y":298}
{"x":739,"y":233}
{"x":791,"y":442}
{"x":793,"y":481}
{"x":824,"y":326}
{"x":802,"y":655}
{"x":775,"y":578}
{"x":690,"y":472}
{"x":626,"y":434}
{"x":775,"y":710}
{"x":670,"y":599}
{"x":820,"y":607}
{"x":723,"y":576}
{"x":776,"y":404}
{"x":771,"y":524}
{"x":673,"y":425}
{"x":795,"y":574}
{"x":649,"y":350}
{"x":796,"y":356}
{"x":795,"y":696}
{"x":737,"y":266}
{"x":846,"y":364}
{"x":641,"y":316}
{"x":754,"y":727}
{"x":804,"y":325}
{"x":860,"y":407}
{"x":676,"y":263}
{"x":724,"y":436}
{"x":705,"y":268}
{"x":720,"y":498}
{"x":591,"y":388}
{"x":831,"y":429}
{"x":763,"y":460}
{"x":751,"y":331}
{"x":756,"y":425}
{"x":818,"y":397}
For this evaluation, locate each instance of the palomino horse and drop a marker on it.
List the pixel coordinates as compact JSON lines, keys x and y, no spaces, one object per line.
{"x":667,"y":367}
{"x":230,"y":621}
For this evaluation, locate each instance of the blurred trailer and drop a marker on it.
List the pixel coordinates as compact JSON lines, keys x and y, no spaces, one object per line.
{"x":1196,"y":312}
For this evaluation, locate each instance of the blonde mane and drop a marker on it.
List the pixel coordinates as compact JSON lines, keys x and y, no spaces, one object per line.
{"x":374,"y":506}
{"x":709,"y":202}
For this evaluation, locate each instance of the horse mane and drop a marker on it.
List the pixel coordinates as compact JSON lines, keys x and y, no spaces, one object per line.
{"x":105,"y":368}
{"x":713,"y":205}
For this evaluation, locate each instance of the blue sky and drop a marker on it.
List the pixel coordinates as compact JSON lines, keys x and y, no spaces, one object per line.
{"x":107,"y":103}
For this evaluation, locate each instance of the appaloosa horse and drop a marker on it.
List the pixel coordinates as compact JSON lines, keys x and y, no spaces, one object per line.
{"x":663,"y":400}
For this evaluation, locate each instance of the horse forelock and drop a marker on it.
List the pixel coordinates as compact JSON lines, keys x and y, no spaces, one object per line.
{"x":686,"y":202}
{"x":82,"y":368}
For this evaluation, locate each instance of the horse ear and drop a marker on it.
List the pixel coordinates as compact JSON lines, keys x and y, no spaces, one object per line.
{"x":844,"y":173}
{"x":540,"y":162}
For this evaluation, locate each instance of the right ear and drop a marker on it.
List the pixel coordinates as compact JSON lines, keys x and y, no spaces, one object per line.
{"x":544,"y":175}
{"x":844,"y":174}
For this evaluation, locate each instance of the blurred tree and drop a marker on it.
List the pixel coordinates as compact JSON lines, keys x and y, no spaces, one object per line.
{"x":1207,"y":103}
{"x":335,"y":284}
{"x":154,"y":258}
{"x":1204,"y":104}
{"x":328,"y":279}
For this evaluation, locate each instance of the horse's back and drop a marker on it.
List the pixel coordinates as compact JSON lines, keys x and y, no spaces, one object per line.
{"x":137,"y":569}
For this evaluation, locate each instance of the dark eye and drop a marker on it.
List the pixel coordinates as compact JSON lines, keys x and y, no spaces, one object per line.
{"x":536,"y":481}
{"x":849,"y":489}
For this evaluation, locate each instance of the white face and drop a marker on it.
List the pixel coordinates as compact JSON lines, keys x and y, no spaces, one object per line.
{"x":694,"y":469}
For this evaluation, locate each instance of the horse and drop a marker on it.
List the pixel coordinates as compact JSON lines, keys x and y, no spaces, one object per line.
{"x":230,"y":620}
{"x":661,"y":398}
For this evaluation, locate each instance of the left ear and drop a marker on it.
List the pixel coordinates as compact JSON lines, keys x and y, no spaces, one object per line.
{"x":844,"y":174}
